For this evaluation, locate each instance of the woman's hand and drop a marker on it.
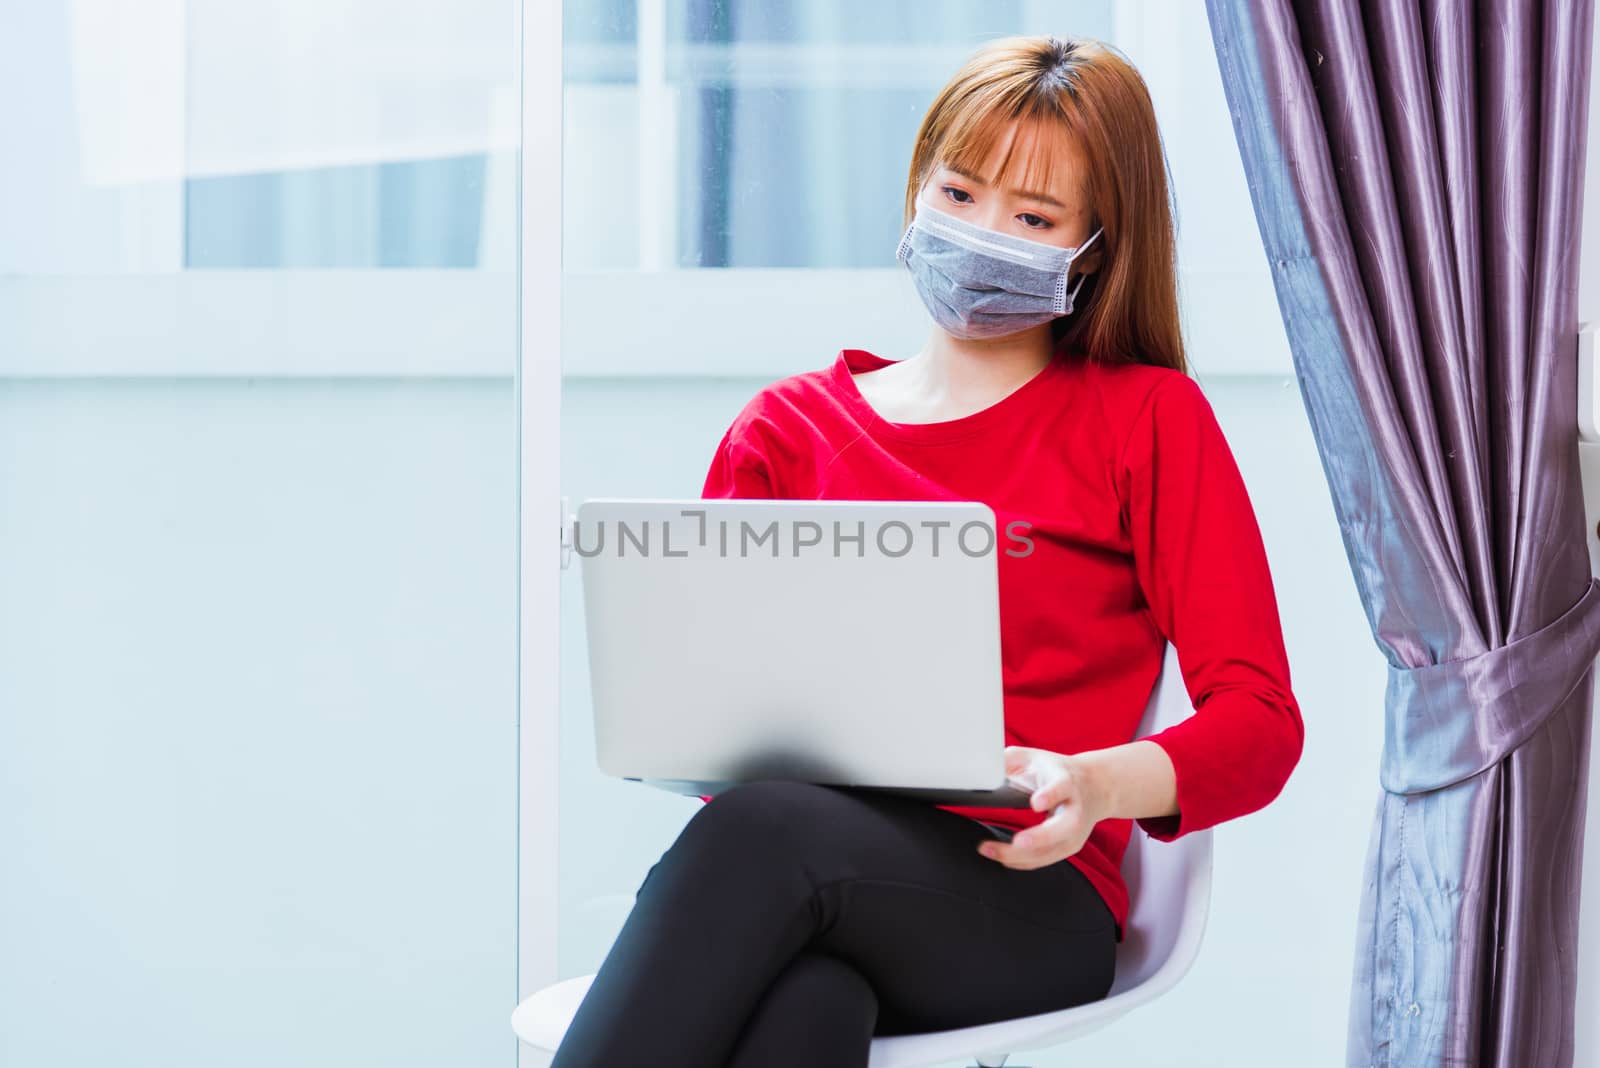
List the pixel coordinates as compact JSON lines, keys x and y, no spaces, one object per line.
{"x":1059,"y":781}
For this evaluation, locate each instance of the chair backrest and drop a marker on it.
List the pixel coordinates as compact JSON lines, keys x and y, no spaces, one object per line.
{"x":1169,"y":883}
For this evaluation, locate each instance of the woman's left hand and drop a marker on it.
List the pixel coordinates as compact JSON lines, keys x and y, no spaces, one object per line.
{"x":1060,"y":781}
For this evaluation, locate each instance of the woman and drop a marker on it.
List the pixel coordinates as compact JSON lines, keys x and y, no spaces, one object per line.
{"x":791,"y":922}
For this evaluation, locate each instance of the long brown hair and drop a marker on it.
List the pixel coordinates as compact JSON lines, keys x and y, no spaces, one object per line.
{"x":1128,"y":310}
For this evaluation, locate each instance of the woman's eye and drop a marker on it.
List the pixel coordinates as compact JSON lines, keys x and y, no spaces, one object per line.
{"x":1028,"y":215}
{"x":953,"y":193}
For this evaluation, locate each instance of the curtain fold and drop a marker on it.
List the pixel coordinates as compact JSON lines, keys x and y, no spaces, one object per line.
{"x":1417,"y":176}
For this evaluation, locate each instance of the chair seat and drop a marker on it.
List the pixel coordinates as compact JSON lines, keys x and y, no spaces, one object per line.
{"x":542,"y":1018}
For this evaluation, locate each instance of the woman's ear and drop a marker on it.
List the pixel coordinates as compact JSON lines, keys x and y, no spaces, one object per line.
{"x":1090,"y":261}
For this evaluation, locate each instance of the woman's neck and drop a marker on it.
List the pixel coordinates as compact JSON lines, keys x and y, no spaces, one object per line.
{"x":952,"y":377}
{"x":978,"y":372}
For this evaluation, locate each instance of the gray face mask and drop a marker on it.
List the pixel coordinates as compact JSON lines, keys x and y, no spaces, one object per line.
{"x":980,"y":283}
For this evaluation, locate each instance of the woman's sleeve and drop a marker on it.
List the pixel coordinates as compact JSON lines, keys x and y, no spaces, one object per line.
{"x":1203,"y":568}
{"x":738,"y":467}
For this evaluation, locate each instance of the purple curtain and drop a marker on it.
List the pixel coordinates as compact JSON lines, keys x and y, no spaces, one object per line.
{"x":1417,"y":175}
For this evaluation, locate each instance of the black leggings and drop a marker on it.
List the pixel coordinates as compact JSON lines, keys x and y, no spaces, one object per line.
{"x":789,"y":923}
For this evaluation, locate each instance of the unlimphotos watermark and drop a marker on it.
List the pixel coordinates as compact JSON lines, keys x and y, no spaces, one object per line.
{"x":893,"y":538}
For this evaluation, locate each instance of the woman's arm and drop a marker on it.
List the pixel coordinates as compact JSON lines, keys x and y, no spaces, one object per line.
{"x":1132,"y":781}
{"x":1202,"y":566}
{"x":1203,"y":570}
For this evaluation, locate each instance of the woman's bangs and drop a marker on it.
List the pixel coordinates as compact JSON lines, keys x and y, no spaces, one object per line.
{"x":978,"y":132}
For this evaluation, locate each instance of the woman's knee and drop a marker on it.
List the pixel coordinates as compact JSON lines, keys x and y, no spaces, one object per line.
{"x":764,"y":809}
{"x":750,"y":830}
{"x":823,"y":982}
{"x":766,"y":822}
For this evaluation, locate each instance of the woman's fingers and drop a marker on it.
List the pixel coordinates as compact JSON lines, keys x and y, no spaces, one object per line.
{"x":1054,"y":838}
{"x":1047,"y":833}
{"x":1059,"y":791}
{"x":1045,"y":843}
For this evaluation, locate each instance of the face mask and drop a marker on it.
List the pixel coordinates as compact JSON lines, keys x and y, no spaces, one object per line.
{"x":980,"y":283}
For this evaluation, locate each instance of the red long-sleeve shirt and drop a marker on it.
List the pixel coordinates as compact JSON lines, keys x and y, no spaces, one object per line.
{"x":1142,"y":533}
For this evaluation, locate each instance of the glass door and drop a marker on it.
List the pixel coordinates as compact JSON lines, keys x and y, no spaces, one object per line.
{"x":734,"y":174}
{"x":258,"y":668}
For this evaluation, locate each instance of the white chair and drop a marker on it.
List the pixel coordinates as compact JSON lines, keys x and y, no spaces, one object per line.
{"x":1169,"y":886}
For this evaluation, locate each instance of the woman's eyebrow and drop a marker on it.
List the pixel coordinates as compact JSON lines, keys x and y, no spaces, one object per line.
{"x":1025,"y":194}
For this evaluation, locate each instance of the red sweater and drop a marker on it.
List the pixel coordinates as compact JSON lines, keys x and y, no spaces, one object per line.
{"x":1142,"y":533}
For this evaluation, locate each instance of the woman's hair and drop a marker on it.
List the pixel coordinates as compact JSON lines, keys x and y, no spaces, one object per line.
{"x":1128,"y":310}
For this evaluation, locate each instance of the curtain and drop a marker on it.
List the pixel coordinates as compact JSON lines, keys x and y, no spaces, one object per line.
{"x":1417,"y":176}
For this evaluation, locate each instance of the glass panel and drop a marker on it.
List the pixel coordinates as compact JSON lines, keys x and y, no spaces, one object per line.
{"x":424,"y":213}
{"x":258,"y":722}
{"x":292,"y":134}
{"x":704,"y":133}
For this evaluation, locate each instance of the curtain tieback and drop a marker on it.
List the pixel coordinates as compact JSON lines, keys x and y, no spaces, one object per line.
{"x":1448,"y":722}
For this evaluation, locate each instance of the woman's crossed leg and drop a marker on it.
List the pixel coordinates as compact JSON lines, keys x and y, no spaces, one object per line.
{"x":788,"y":923}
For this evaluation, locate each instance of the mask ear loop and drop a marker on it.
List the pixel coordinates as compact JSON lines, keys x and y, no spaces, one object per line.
{"x":1072,"y":298}
{"x":1064,"y":301}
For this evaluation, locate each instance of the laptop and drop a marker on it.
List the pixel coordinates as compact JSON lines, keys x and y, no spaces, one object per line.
{"x":846,"y":643}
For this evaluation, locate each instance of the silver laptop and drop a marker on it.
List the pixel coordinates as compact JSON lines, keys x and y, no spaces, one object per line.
{"x":847,"y":643}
